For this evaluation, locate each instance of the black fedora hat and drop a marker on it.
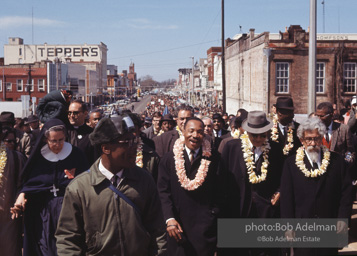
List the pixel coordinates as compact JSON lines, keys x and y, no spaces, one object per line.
{"x":257,"y":122}
{"x":285,"y":103}
{"x":7,"y":117}
{"x":167,"y":117}
{"x":31,"y":119}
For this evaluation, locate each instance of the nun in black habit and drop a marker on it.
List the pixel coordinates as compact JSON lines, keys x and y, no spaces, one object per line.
{"x":51,"y":166}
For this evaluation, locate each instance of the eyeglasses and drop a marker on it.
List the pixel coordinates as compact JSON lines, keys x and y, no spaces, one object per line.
{"x":75,"y":113}
{"x":309,"y":140}
{"x":53,"y":142}
{"x":9,"y":141}
{"x":155,"y":120}
{"x":128,"y":143}
{"x":322,"y":116}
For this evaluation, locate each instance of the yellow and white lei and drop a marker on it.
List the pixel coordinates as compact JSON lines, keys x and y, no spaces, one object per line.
{"x":179,"y":131}
{"x":248,"y":158}
{"x":312,"y":173}
{"x":139,"y":154}
{"x":275,"y":136}
{"x":3,"y":160}
{"x":236,"y":134}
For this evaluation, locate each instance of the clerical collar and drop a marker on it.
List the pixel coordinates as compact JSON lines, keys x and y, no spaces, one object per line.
{"x":188,"y":151}
{"x":318,"y":160}
{"x":109,"y":175}
{"x":52,"y":157}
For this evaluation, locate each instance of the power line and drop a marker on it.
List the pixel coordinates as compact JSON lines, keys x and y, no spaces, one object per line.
{"x":167,"y":50}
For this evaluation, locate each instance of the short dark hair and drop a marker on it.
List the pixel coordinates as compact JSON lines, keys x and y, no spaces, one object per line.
{"x":326,"y":105}
{"x":6,"y":131}
{"x":193,"y":118}
{"x":83,"y":104}
{"x":185,"y":108}
{"x":157,"y":114}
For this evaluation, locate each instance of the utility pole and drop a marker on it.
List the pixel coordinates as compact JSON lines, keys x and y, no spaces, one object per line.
{"x":29,"y":85}
{"x":193,"y":79}
{"x":223,"y":64}
{"x":312,"y":59}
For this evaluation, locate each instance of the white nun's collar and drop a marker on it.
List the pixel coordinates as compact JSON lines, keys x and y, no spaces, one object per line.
{"x":52,"y":157}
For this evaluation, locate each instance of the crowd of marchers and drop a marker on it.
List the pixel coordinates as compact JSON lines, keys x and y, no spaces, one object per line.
{"x":75,"y":182}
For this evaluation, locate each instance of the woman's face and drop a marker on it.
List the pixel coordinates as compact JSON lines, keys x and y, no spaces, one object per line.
{"x":55,"y":141}
{"x":10,"y":141}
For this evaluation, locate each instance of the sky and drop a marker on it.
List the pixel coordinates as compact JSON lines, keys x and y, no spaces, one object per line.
{"x":161,"y":36}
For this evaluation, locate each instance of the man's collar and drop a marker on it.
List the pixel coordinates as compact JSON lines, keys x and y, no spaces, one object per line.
{"x":188,"y":151}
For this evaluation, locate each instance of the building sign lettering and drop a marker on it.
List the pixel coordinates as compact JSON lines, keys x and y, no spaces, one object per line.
{"x":69,"y":51}
{"x":332,"y":37}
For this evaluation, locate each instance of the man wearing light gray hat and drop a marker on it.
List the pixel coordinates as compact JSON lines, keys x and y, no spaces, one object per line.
{"x":114,"y":208}
{"x":253,"y":171}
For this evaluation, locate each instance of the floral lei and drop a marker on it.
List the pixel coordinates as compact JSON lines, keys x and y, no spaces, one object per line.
{"x":139,"y":154}
{"x":312,"y":173}
{"x":248,"y":158}
{"x":3,"y":160}
{"x":236,"y":134}
{"x":185,"y":182}
{"x":179,"y":131}
{"x":275,"y":136}
{"x":160,"y":132}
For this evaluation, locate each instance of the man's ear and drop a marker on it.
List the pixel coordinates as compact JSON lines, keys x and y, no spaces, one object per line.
{"x":106,"y":148}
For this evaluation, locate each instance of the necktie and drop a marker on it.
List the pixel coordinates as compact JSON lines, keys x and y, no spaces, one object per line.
{"x":253,"y":150}
{"x":115,"y":180}
{"x":285,"y":132}
{"x":327,"y":137}
{"x":192,"y":153}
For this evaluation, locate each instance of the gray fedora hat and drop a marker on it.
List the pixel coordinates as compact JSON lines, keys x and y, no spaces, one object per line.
{"x":257,"y":122}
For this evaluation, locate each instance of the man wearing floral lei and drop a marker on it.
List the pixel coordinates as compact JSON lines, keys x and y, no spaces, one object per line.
{"x":315,"y":183}
{"x":165,"y":142}
{"x":189,"y":189}
{"x":284,"y":129}
{"x":253,"y":170}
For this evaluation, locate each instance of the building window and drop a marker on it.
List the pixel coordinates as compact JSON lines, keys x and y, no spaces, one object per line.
{"x":30,"y":85}
{"x":20,"y":51}
{"x":8,"y":87}
{"x":41,"y":85}
{"x":349,"y":77}
{"x":320,"y":77}
{"x":282,"y":77}
{"x":0,"y":85}
{"x":20,"y":85}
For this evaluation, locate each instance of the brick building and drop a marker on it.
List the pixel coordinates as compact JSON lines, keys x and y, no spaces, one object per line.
{"x":15,"y":80}
{"x":260,"y":68}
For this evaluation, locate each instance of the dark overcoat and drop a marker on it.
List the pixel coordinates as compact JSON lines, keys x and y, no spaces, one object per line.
{"x":327,"y":196}
{"x":246,"y":199}
{"x":196,"y":210}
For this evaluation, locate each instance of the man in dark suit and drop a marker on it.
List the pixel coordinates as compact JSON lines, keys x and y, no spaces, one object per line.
{"x":324,"y":194}
{"x":338,"y":137}
{"x":236,"y":130}
{"x":165,"y":142}
{"x":218,"y":130}
{"x":154,"y":129}
{"x":252,"y":194}
{"x":78,"y":130}
{"x":284,"y":130}
{"x":190,"y":193}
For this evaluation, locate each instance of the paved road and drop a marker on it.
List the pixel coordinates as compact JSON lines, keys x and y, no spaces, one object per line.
{"x":141,"y":105}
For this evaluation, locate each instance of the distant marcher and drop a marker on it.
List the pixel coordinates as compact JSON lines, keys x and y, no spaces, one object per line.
{"x":154,"y":129}
{"x":94,"y":118}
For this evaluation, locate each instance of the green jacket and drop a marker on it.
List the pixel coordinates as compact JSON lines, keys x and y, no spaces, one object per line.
{"x":94,"y":221}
